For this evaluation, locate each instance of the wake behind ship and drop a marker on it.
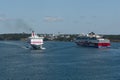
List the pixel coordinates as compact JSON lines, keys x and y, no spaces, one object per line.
{"x":92,"y":40}
{"x":35,"y":41}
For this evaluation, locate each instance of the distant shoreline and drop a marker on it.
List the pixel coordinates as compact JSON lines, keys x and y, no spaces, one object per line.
{"x":51,"y":37}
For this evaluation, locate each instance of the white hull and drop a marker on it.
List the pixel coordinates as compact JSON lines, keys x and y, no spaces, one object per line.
{"x":37,"y":47}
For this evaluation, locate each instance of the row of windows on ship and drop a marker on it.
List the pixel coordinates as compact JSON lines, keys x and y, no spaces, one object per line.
{"x":87,"y":38}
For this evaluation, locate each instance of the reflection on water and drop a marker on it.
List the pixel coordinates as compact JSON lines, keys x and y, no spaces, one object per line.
{"x":59,"y":61}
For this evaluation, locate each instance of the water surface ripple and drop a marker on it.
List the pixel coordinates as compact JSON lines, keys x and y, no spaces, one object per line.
{"x":59,"y":61}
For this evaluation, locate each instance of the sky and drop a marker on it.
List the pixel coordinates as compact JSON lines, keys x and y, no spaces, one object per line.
{"x":60,"y":16}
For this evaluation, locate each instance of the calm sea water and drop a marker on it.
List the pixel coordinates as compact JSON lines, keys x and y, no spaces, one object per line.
{"x":59,"y":61}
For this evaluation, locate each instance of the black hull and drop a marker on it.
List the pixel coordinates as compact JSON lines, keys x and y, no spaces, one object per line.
{"x":96,"y":45}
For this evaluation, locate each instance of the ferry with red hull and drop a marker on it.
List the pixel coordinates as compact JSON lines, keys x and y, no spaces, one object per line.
{"x":92,"y":40}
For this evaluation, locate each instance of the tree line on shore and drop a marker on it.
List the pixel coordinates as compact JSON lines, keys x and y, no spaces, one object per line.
{"x":22,"y":36}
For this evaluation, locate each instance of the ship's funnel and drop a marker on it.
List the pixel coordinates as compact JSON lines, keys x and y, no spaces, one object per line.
{"x":33,"y":34}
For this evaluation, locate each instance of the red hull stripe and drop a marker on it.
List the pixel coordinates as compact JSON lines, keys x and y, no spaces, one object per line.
{"x":103,"y":44}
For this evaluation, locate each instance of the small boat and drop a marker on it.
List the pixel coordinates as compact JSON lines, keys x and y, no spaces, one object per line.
{"x":92,"y":40}
{"x":35,"y":41}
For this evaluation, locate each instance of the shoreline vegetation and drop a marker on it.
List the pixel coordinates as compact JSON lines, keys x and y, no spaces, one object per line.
{"x":52,"y":37}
